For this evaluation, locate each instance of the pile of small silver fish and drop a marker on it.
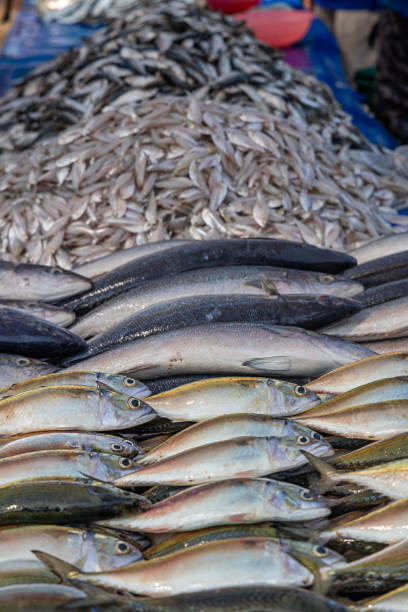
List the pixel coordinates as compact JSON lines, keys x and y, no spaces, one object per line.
{"x":186,"y":168}
{"x":198,"y":489}
{"x":80,"y":11}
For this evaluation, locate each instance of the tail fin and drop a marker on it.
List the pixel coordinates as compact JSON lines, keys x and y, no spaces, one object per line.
{"x":62,"y":569}
{"x":328,"y":474}
{"x":322,"y":579}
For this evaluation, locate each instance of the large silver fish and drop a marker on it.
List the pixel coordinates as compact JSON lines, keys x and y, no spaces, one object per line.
{"x":17,"y":368}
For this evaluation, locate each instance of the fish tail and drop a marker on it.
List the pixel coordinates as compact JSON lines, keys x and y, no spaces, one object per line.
{"x":62,"y":569}
{"x":328,"y":474}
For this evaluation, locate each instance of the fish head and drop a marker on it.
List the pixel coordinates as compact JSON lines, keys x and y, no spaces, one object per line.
{"x":116,"y":445}
{"x":313,"y":443}
{"x":289,"y":398}
{"x":327,"y":284}
{"x":50,"y":283}
{"x":320,"y":555}
{"x":106,"y":466}
{"x":124,"y":410}
{"x":113,"y":552}
{"x":298,"y":502}
{"x":25,"y":366}
{"x":123,"y":384}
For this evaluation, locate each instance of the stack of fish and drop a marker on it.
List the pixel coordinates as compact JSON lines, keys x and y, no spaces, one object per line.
{"x":88,"y":11}
{"x":199,"y":492}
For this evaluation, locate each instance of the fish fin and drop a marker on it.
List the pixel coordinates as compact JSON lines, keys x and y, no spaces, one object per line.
{"x":104,"y":387}
{"x":254,"y":283}
{"x":328,"y":474}
{"x":59,"y":567}
{"x":266,"y":364}
{"x":321,"y":582}
{"x":324,"y":581}
{"x":268,"y":286}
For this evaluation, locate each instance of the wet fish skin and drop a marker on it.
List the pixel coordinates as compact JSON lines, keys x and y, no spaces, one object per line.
{"x":68,"y":440}
{"x":23,"y":333}
{"x":361,"y":372}
{"x":25,"y":571}
{"x":387,"y":449}
{"x":90,"y":549}
{"x":59,"y":502}
{"x":38,"y":597}
{"x":101,"y":265}
{"x":36,"y":282}
{"x":63,"y":465}
{"x":383,"y":293}
{"x":240,"y":457}
{"x":381,"y":270}
{"x":388,"y":320}
{"x":98,"y":380}
{"x":158,"y":428}
{"x":242,"y":348}
{"x":18,"y":368}
{"x":48,"y":312}
{"x":223,"y":280}
{"x":250,"y":562}
{"x":308,"y":312}
{"x":223,"y":503}
{"x":210,"y":253}
{"x":80,"y":408}
{"x":394,"y":601}
{"x":388,"y":245}
{"x":226,"y":428}
{"x":209,"y":398}
{"x":387,"y":346}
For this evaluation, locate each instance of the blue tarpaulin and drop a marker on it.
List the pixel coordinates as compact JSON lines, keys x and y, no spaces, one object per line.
{"x":30,"y":42}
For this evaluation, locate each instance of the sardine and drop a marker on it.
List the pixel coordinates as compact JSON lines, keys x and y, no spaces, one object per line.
{"x":387,"y":449}
{"x":210,"y":253}
{"x":35,"y":282}
{"x":214,"y":397}
{"x":18,"y":368}
{"x":58,"y":502}
{"x":361,"y":373}
{"x":80,"y":408}
{"x":244,"y":280}
{"x":98,"y":380}
{"x":308,"y":312}
{"x":222,"y":503}
{"x":25,"y":571}
{"x":388,"y":245}
{"x":38,"y":597}
{"x":48,"y":312}
{"x":228,"y":427}
{"x":246,"y":456}
{"x":388,"y":320}
{"x":23,"y":333}
{"x":239,"y":348}
{"x":381,"y":270}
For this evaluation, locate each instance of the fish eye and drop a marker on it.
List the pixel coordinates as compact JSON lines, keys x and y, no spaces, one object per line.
{"x":125,"y":463}
{"x":299,"y":390}
{"x":316,"y":436}
{"x":32,"y":305}
{"x":129,"y":382}
{"x":22,"y":361}
{"x":56,"y":271}
{"x":302,"y":440}
{"x":122,"y":548}
{"x":116,"y":447}
{"x":320,"y":551}
{"x":133,"y":403}
{"x":306,"y":495}
{"x":326,"y":279}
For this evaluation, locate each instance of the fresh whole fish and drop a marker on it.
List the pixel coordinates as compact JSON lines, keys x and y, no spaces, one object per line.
{"x":210,"y":253}
{"x":67,"y":440}
{"x":90,"y":549}
{"x":237,"y":458}
{"x":18,"y":368}
{"x":226,"y":428}
{"x":390,"y":479}
{"x":308,"y":312}
{"x":383,"y":293}
{"x":362,"y":372}
{"x":387,"y":449}
{"x":57,"y":502}
{"x":23,"y":333}
{"x":80,"y":408}
{"x":239,"y":348}
{"x":98,"y":380}
{"x":214,"y":397}
{"x":369,"y":421}
{"x":63,"y":465}
{"x":167,"y":383}
{"x":393,"y":601}
{"x":96,"y":267}
{"x":25,"y":571}
{"x":240,"y":562}
{"x":387,"y":346}
{"x":35,"y":282}
{"x":388,"y":245}
{"x":38,"y":597}
{"x":224,"y":280}
{"x":48,"y":312}
{"x":388,"y":320}
{"x":223,"y":503}
{"x":379,"y":271}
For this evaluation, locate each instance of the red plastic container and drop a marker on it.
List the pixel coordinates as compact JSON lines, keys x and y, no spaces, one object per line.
{"x":278,"y":28}
{"x":232,"y":6}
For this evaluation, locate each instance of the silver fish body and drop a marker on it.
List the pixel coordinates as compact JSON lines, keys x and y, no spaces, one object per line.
{"x":48,"y":312}
{"x":18,"y":368}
